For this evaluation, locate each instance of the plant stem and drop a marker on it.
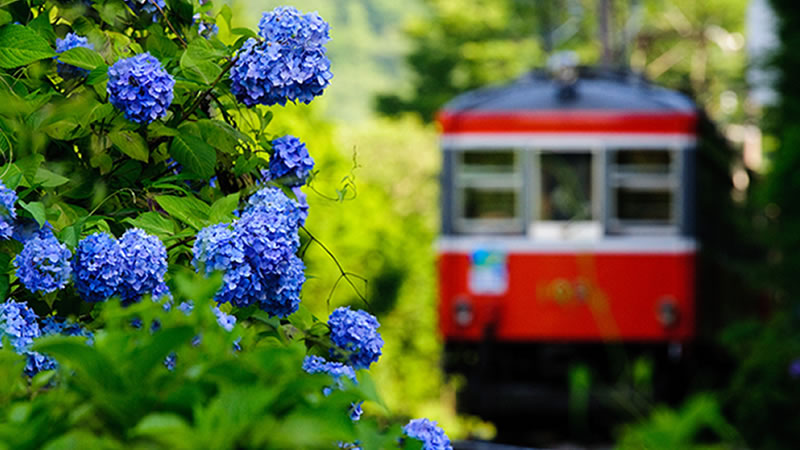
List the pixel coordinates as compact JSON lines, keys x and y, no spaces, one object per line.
{"x":205,"y":93}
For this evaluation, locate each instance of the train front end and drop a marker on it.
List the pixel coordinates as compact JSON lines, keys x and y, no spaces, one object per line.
{"x":567,"y":231}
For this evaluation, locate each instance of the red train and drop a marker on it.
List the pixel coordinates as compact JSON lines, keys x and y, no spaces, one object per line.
{"x":568,"y":228}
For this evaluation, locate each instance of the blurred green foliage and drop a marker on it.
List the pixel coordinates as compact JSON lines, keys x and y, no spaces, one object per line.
{"x":459,"y":45}
{"x":117,"y":394}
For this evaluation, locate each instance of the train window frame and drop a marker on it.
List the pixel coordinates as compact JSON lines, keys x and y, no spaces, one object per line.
{"x":641,"y":179}
{"x":488,"y":180}
{"x":590,"y":229}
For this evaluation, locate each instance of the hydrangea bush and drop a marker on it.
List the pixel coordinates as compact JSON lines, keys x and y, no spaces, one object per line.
{"x":140,"y":172}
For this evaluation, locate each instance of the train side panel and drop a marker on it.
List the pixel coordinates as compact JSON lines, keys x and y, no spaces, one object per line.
{"x":571,"y":297}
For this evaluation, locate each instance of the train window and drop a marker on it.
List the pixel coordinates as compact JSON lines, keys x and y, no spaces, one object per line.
{"x":566,"y":186}
{"x":488,"y":189}
{"x":643,"y":187}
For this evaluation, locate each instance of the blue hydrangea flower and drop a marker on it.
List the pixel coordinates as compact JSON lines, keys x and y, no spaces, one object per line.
{"x":356,"y":411}
{"x":274,"y":201}
{"x":146,"y":7}
{"x":98,"y":267}
{"x":256,"y":254}
{"x":54,"y":325}
{"x":160,"y":293}
{"x":186,"y":307}
{"x":145,"y":263}
{"x":429,"y":432}
{"x":290,"y":161}
{"x":43,"y":264}
{"x":226,"y":321}
{"x":20,"y":324}
{"x":205,"y":28}
{"x":290,"y":64}
{"x":355,"y":333}
{"x":140,"y":87}
{"x":170,"y":361}
{"x":69,"y":42}
{"x":284,"y":298}
{"x":8,"y":212}
{"x":337,"y":370}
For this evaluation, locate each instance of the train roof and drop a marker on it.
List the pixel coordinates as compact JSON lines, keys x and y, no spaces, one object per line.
{"x":594,"y":89}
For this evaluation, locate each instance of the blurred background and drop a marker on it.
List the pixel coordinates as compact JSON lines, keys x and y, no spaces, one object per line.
{"x":598,"y":242}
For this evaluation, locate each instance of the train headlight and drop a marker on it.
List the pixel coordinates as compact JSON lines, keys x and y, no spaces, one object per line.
{"x":668,"y":313}
{"x":463,"y":313}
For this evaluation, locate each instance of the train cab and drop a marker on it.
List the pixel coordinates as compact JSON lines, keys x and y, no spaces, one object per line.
{"x":568,"y":208}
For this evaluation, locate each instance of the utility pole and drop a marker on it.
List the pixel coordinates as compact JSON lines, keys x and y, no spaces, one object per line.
{"x":606,"y":17}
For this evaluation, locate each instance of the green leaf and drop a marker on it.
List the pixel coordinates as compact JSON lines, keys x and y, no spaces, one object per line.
{"x":168,"y":428}
{"x":154,"y":223}
{"x":82,"y":57}
{"x":98,"y":75}
{"x":48,"y":179}
{"x":130,"y":143}
{"x":221,"y":135}
{"x":246,"y":32}
{"x":41,"y":24}
{"x":148,"y":357}
{"x":36,"y":209}
{"x":20,"y":46}
{"x":74,"y":352}
{"x":302,"y":319}
{"x":367,"y":389}
{"x":222,"y":209}
{"x":226,"y":14}
{"x":189,"y":210}
{"x":5,"y":17}
{"x":29,"y":167}
{"x":197,"y":62}
{"x":194,"y":154}
{"x":161,"y":46}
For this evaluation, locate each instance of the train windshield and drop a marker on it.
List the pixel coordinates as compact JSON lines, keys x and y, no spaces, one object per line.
{"x":565,"y":194}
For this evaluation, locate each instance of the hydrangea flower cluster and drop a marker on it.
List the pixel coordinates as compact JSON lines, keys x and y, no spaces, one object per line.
{"x":429,"y":432}
{"x":19,"y":324}
{"x":146,"y":7}
{"x":290,"y":160}
{"x":43,"y":265}
{"x":145,"y":263}
{"x":274,"y":200}
{"x":98,"y":267}
{"x":140,"y":88}
{"x":257,"y":255}
{"x":355,"y":333}
{"x":8,"y":211}
{"x":289,"y":64}
{"x":69,"y":42}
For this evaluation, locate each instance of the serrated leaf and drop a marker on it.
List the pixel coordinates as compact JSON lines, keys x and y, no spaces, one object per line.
{"x":194,"y":154}
{"x":189,"y":210}
{"x":222,"y":209}
{"x":154,"y":223}
{"x":130,"y":143}
{"x":20,"y":46}
{"x":82,"y":57}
